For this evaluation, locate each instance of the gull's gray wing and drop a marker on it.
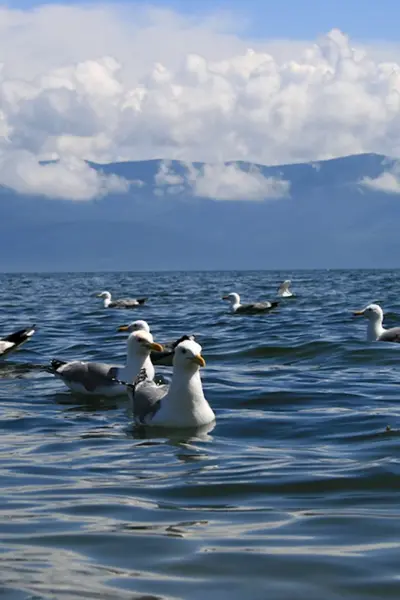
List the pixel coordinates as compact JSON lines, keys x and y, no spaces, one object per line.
{"x":91,"y":375}
{"x":146,"y":399}
{"x":127,"y":302}
{"x":391,"y":335}
{"x":256,"y":307}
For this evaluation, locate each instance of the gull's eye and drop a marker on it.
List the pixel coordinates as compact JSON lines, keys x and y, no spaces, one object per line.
{"x":183,"y":350}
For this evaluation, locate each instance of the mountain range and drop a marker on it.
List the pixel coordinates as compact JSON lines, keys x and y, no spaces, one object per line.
{"x":328,"y":219}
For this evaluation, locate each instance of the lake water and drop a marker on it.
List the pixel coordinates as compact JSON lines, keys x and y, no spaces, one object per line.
{"x":294,"y":495}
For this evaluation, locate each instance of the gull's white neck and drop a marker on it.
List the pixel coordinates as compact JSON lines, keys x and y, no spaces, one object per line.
{"x":375,"y":329}
{"x":107,"y":300}
{"x":134,"y":364}
{"x":185,"y":404}
{"x":235,"y":304}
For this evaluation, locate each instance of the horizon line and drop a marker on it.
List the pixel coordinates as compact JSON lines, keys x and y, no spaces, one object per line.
{"x":147,"y":271}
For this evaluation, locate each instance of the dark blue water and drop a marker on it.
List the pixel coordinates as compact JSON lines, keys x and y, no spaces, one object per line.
{"x":294,"y":495}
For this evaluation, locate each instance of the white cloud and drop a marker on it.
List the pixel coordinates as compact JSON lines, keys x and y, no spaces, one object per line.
{"x":230,"y":182}
{"x":220,"y":182}
{"x":167,"y":181}
{"x":167,"y":176}
{"x":388,"y":182}
{"x":70,"y":179}
{"x":116,"y":82}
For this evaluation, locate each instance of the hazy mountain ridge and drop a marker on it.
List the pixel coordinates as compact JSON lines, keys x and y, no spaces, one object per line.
{"x":329,"y":220}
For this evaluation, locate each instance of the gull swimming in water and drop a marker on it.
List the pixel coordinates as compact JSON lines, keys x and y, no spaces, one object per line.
{"x":181,"y":404}
{"x":122,"y":303}
{"x":163,"y":357}
{"x":95,"y":378}
{"x":12,"y":342}
{"x":375,"y":330}
{"x":284,"y":289}
{"x":257,"y":307}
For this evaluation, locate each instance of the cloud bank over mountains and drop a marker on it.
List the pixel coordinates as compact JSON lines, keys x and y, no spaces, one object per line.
{"x":111,"y":83}
{"x":220,"y":182}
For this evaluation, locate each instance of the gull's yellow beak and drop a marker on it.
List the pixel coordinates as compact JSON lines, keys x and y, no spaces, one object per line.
{"x":199,"y":360}
{"x":156,"y":347}
{"x":123,"y":328}
{"x":98,"y":295}
{"x":358,"y":313}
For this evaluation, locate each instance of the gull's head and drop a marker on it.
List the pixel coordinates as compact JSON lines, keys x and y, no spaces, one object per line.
{"x":373,"y":312}
{"x":232,"y":298}
{"x":104,"y":295}
{"x":188,"y":356}
{"x":141,"y":343}
{"x":135,"y":326}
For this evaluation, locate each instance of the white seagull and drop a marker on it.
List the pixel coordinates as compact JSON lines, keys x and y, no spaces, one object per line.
{"x":284,"y":289}
{"x":375,"y":330}
{"x":122,"y":303}
{"x":181,"y":404}
{"x":96,"y":378}
{"x":256,"y":307}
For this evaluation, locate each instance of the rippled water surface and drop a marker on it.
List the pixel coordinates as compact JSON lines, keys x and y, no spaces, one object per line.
{"x":294,"y":495}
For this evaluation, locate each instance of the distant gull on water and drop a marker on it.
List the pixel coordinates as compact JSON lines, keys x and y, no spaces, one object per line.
{"x":284,"y":289}
{"x":122,"y":302}
{"x":257,"y":307}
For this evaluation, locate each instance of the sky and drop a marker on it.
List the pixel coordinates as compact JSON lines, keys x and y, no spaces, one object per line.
{"x":292,"y":19}
{"x":213,"y":81}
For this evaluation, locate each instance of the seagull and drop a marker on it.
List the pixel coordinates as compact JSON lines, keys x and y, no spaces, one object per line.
{"x":12,"y":342}
{"x":122,"y":303}
{"x":164,"y":357}
{"x":284,"y":289}
{"x":96,"y":378}
{"x":257,"y":307}
{"x":182,"y":403}
{"x":375,"y":331}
